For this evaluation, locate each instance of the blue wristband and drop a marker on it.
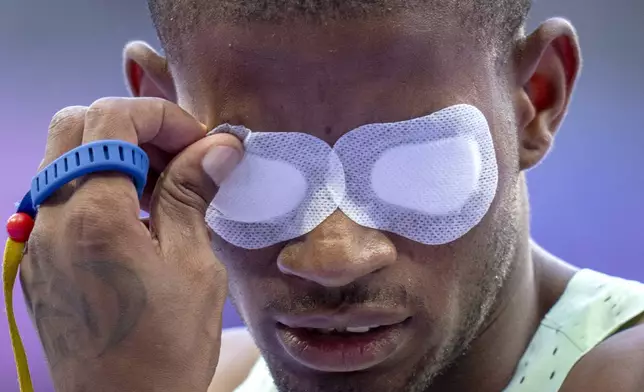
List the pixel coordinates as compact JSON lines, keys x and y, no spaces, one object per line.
{"x":102,"y":155}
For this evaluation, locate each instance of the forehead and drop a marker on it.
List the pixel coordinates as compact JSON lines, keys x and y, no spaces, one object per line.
{"x":342,"y":74}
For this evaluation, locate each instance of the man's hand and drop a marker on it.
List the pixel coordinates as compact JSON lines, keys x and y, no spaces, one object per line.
{"x":121,"y":306}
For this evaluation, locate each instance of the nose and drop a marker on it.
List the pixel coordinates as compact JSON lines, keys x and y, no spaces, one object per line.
{"x":337,"y":253}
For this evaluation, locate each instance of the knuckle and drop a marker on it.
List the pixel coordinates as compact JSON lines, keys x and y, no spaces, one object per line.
{"x":106,"y":109}
{"x":68,"y":118}
{"x":105,"y":105}
{"x":177,"y":195}
{"x":112,"y":117}
{"x":158,"y":104}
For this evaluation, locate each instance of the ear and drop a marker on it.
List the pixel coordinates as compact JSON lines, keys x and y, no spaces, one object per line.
{"x":547,"y":63}
{"x":147,"y":73}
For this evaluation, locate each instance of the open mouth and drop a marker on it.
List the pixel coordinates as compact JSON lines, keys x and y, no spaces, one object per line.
{"x":348,"y":331}
{"x":343,"y":349}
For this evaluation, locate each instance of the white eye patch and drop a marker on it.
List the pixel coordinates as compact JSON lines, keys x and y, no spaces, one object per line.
{"x":432,"y":187}
{"x":239,"y":199}
{"x":430,"y":179}
{"x":284,"y":187}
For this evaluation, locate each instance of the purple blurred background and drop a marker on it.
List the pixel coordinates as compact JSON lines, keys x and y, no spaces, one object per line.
{"x":586,"y":198}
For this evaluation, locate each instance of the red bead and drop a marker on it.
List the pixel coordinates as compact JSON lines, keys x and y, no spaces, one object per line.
{"x":19,"y":227}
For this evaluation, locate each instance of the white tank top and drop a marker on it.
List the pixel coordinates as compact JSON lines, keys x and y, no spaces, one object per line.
{"x":593,"y":307}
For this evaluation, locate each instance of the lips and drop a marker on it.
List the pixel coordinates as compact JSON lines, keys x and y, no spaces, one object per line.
{"x":350,"y":341}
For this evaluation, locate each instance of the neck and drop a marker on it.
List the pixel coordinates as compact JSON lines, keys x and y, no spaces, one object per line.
{"x":491,"y":359}
{"x":533,"y":287}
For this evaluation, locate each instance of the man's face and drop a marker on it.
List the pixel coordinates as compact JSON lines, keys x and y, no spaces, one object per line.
{"x":326,"y":81}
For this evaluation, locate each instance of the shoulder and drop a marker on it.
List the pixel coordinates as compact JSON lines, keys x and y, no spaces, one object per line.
{"x":237,"y":356}
{"x":616,"y":365}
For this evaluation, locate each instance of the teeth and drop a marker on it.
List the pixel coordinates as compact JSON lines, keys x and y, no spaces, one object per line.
{"x":348,"y":329}
{"x":358,"y":329}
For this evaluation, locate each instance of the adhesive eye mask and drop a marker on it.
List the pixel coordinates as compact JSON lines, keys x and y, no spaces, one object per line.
{"x":429,"y":179}
{"x":284,"y":187}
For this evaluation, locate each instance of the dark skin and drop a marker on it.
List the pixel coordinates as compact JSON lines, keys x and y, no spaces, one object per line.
{"x":327,"y":81}
{"x":488,"y":290}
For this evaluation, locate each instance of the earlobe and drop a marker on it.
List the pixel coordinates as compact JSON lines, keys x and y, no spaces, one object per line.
{"x":147,"y":73}
{"x":548,"y":63}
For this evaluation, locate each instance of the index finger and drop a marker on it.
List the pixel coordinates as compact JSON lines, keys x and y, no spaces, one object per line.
{"x":142,"y":120}
{"x":152,"y":121}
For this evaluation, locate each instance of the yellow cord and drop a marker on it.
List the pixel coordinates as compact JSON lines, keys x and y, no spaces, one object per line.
{"x":13,"y":253}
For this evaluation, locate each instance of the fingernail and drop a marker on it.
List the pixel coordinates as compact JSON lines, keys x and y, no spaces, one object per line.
{"x":220,"y":161}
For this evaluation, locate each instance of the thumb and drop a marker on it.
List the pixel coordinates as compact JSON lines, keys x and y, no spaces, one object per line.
{"x":184,"y":192}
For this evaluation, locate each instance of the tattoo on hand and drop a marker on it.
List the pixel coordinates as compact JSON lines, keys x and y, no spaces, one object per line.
{"x":68,"y":324}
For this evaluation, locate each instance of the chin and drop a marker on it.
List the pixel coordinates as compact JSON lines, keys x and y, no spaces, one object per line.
{"x":412,"y":372}
{"x":288,"y":380}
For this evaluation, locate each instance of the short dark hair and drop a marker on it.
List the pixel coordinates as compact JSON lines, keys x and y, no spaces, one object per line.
{"x":495,"y":22}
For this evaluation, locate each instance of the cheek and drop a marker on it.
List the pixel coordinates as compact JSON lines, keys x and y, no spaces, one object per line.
{"x":505,"y":134}
{"x":437,"y":273}
{"x":445,"y":273}
{"x":452,"y":278}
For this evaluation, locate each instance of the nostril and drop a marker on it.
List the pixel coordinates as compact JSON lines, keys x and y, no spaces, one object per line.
{"x":336,"y":258}
{"x":328,"y":273}
{"x":323,"y":278}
